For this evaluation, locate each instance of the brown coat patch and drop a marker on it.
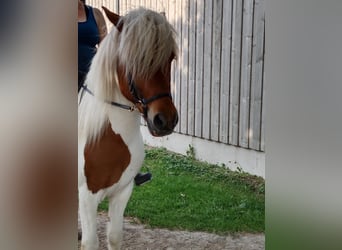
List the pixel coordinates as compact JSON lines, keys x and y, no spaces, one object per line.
{"x":105,"y":160}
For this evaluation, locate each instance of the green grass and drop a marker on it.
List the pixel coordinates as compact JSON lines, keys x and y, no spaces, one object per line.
{"x":190,"y":195}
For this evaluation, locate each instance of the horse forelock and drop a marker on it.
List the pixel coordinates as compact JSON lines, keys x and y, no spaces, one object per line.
{"x":147,"y":41}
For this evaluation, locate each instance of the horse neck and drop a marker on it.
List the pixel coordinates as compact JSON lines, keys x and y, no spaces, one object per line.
{"x":125,"y":123}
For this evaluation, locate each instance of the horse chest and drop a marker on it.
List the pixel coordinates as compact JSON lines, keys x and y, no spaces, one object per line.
{"x":105,"y":160}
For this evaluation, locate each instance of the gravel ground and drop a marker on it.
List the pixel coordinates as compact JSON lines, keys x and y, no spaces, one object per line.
{"x":139,"y":237}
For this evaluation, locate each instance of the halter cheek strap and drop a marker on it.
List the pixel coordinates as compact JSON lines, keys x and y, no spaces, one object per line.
{"x":123,"y":106}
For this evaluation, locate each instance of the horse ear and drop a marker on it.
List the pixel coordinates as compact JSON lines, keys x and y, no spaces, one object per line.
{"x":113,"y":18}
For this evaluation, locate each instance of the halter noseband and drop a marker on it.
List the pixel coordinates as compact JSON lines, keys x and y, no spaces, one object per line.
{"x":138,"y":99}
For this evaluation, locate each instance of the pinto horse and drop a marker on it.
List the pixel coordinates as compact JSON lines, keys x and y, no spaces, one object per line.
{"x":129,"y":77}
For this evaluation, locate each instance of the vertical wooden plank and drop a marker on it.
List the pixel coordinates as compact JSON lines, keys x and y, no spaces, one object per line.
{"x":257,"y":75}
{"x":132,"y":4}
{"x":178,"y":27}
{"x":199,"y":68}
{"x":127,"y":7}
{"x":143,"y":3}
{"x":118,"y":7}
{"x":208,"y":12}
{"x":123,"y":7}
{"x":262,"y":132}
{"x":111,"y":5}
{"x":215,"y":70}
{"x":171,"y":15}
{"x":163,"y":6}
{"x":160,"y":6}
{"x":148,"y":4}
{"x":246,"y":65}
{"x":153,"y":4}
{"x":235,"y":72}
{"x":169,"y":12}
{"x":192,"y":67}
{"x":185,"y":61}
{"x":225,"y":70}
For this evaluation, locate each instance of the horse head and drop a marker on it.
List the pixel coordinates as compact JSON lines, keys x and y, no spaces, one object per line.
{"x":146,"y":50}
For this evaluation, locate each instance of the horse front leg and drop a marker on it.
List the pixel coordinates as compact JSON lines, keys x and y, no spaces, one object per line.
{"x":117,"y":205}
{"x":88,"y":211}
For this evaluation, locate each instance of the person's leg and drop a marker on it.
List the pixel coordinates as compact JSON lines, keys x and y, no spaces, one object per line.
{"x":142,"y":178}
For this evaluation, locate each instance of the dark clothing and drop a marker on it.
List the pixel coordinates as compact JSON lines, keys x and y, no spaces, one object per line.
{"x":88,"y":38}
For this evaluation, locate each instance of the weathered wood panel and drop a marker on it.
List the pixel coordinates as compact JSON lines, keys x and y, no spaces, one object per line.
{"x":178,"y":68}
{"x":192,"y":68}
{"x":218,"y":79}
{"x":208,"y":13}
{"x":225,"y":70}
{"x":199,"y":68}
{"x":246,"y":65}
{"x":184,"y":71}
{"x":216,"y":70}
{"x":235,"y":76}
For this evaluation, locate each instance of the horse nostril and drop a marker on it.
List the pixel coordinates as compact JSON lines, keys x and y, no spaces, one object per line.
{"x":159,"y":121}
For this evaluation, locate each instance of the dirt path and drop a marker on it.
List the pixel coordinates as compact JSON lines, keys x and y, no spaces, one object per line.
{"x":137,"y":237}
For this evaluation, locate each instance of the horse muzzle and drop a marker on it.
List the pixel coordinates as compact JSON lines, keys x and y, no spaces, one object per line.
{"x":161,"y":124}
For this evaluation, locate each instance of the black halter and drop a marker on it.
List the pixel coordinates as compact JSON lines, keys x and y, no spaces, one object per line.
{"x":138,"y":99}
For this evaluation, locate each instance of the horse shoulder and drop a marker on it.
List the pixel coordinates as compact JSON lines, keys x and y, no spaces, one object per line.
{"x":105,"y":160}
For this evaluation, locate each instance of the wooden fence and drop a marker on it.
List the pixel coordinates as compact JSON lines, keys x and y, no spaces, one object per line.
{"x":218,"y":79}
